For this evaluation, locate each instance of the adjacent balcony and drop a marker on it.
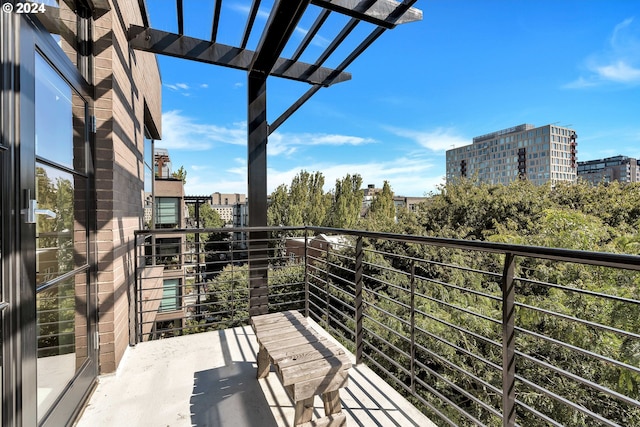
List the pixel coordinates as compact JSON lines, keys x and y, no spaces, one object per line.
{"x":451,"y":331}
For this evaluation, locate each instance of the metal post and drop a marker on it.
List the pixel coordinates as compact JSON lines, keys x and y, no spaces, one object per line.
{"x":306,"y":274}
{"x":257,"y":192}
{"x":508,"y":343}
{"x":326,"y":284}
{"x":140,"y":261}
{"x":359,"y":307}
{"x":198,"y":275}
{"x":413,"y":326}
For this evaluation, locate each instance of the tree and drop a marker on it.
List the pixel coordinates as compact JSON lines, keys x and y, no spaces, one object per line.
{"x":303,"y":203}
{"x":347,"y":202}
{"x":382,"y":208}
{"x":180,"y":174}
{"x":319,"y":201}
{"x":209,"y":217}
{"x":278,"y":210}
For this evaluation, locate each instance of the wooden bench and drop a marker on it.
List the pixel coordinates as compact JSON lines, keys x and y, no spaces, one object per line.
{"x":306,"y":363}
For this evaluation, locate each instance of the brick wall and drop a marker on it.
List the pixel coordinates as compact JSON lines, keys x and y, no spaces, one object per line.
{"x":125,"y":81}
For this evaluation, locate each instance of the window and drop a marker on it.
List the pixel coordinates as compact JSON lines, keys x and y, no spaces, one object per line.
{"x":170,"y":295}
{"x":167,"y":212}
{"x":168,"y":253}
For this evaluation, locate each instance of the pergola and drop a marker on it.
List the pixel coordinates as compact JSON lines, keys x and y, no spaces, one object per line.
{"x":266,"y":61}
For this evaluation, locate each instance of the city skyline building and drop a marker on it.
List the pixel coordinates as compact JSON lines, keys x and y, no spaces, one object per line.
{"x":539,"y":154}
{"x":619,"y":168}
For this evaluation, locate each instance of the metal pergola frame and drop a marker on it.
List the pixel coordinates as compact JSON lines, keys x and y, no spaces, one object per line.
{"x":265,"y":61}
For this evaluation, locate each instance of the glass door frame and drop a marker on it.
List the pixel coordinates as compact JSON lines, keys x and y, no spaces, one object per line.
{"x":25,"y":38}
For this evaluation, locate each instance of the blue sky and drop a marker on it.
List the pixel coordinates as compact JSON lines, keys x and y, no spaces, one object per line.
{"x":467,"y":69}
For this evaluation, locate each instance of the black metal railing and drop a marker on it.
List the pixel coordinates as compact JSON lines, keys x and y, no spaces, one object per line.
{"x":474,"y":333}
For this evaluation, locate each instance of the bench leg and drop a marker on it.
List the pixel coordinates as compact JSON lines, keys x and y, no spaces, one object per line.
{"x":304,"y":411}
{"x":264,"y":364}
{"x":331,"y":402}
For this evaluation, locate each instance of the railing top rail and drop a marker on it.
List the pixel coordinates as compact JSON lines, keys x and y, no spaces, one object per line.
{"x":212,"y":230}
{"x":605,"y":259}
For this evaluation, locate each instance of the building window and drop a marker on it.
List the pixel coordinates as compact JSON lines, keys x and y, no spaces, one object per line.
{"x":168,"y":253}
{"x":167,"y":212}
{"x":170,"y":295}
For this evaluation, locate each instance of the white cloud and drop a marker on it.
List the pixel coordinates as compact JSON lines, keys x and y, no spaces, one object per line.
{"x":289,"y":143}
{"x":181,"y":132}
{"x":317,"y":40}
{"x":244,"y":9}
{"x":580,"y":83}
{"x":204,"y":85}
{"x":619,"y":63}
{"x":208,"y":184}
{"x":184,"y":133}
{"x":619,"y":72}
{"x":439,"y":139}
{"x":177,"y":86}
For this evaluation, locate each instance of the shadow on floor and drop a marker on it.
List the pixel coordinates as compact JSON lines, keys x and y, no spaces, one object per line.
{"x":229,"y":395}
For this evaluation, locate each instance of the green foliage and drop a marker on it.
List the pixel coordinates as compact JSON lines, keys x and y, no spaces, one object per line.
{"x":209,"y":217}
{"x":180,"y":174}
{"x":457,"y":305}
{"x":304,"y":203}
{"x":383,"y":209}
{"x":347,"y":202}
{"x":458,"y":293}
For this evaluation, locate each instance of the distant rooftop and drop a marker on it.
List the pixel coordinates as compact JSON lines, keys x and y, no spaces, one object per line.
{"x":512,"y":129}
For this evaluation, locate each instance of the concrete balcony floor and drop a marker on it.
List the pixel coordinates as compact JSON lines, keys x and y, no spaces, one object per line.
{"x":209,"y":379}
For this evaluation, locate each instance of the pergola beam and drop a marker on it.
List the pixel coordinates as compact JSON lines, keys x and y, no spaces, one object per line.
{"x":180,"y":13}
{"x":255,"y":6}
{"x":171,"y":44}
{"x":216,"y":20}
{"x":380,"y":13}
{"x":283,"y":19}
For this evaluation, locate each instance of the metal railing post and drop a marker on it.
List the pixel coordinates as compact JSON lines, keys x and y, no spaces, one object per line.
{"x":137,"y":287}
{"x":327,"y":293}
{"x":358,"y":303}
{"x":306,"y":274}
{"x":412,"y":320}
{"x":508,"y":343}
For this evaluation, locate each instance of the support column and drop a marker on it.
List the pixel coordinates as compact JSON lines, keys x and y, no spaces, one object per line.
{"x":257,"y":192}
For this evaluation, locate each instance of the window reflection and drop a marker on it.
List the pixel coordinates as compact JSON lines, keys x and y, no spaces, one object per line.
{"x":55,"y":228}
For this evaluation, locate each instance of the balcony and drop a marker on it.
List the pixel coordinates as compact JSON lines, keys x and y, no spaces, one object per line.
{"x":471,"y":333}
{"x":209,"y":379}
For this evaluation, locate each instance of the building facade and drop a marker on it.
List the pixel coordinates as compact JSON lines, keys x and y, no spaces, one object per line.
{"x":170,"y":212}
{"x":410,"y":203}
{"x":76,"y":108}
{"x":539,"y":154}
{"x":618,"y":168}
{"x":232,"y":208}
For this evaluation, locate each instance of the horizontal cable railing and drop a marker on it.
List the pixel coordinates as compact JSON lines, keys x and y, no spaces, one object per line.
{"x":473,"y":333}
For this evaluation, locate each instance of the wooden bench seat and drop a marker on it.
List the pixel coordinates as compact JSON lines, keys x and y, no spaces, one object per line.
{"x":306,"y":363}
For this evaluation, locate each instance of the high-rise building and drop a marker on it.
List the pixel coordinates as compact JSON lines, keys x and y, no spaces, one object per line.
{"x":619,"y":168}
{"x":540,"y":154}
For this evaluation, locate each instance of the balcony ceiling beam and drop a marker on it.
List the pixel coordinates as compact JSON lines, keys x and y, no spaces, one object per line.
{"x":177,"y":46}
